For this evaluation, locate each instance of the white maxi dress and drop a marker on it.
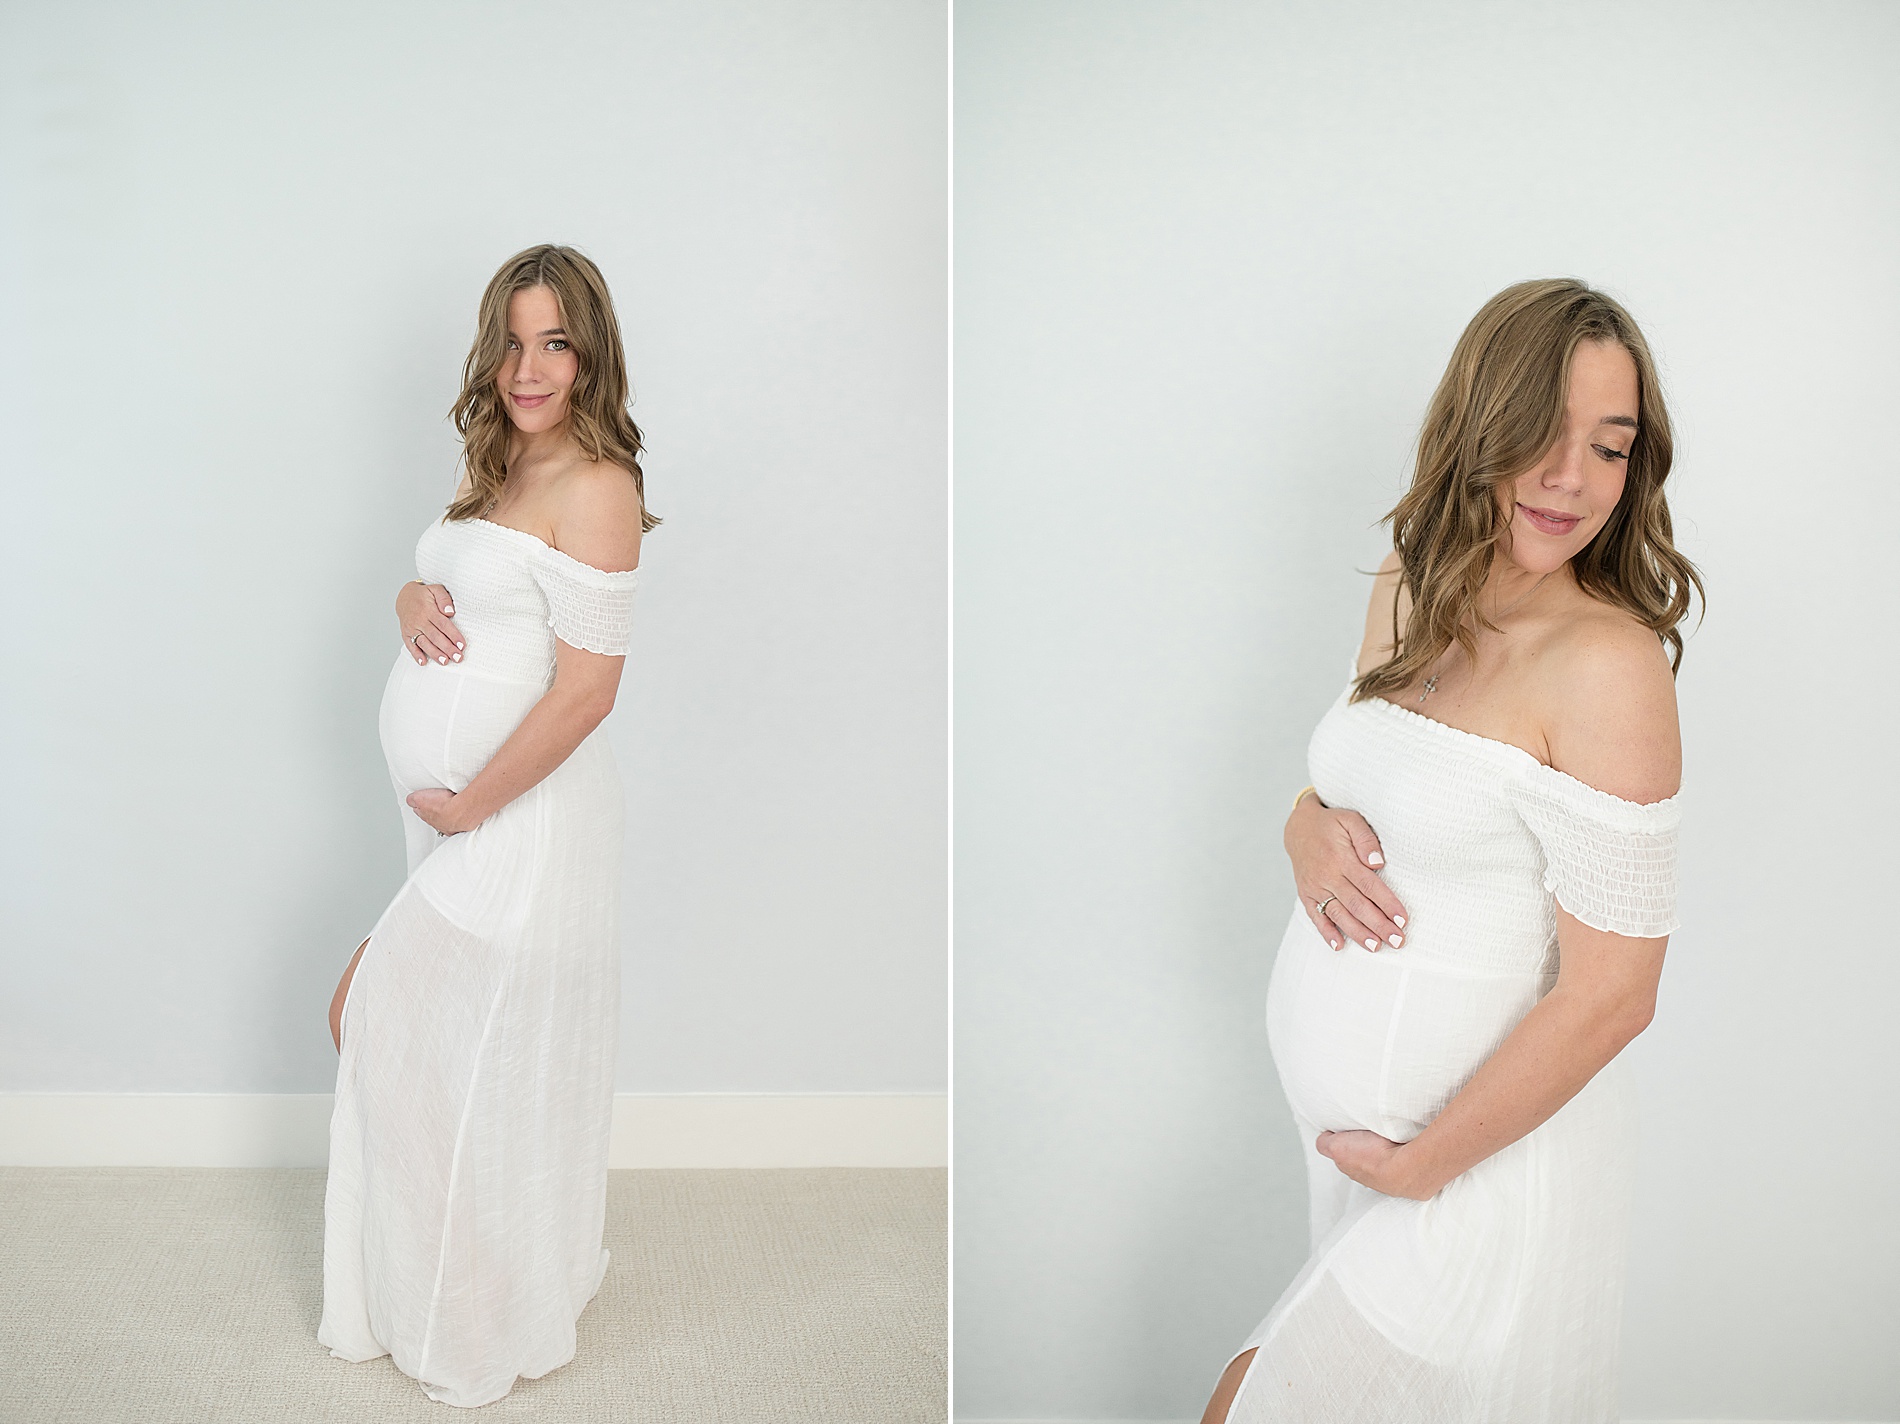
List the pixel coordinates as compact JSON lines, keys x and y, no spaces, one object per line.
{"x":467,"y":1182}
{"x":1499,"y":1300}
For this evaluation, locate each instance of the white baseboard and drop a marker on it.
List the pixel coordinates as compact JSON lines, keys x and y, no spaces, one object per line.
{"x":650,"y":1130}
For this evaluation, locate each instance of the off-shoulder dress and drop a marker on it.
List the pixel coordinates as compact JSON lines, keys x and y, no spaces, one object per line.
{"x":1499,"y":1299}
{"x":466,"y":1197}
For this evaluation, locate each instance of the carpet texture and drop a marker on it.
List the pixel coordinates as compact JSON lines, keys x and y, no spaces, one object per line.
{"x":159,"y":1294}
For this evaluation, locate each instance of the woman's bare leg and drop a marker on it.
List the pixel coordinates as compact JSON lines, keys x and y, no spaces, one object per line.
{"x":342,"y":993}
{"x":1225,"y":1391}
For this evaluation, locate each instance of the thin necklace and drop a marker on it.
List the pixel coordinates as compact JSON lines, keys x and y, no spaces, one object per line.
{"x":1431,"y":683}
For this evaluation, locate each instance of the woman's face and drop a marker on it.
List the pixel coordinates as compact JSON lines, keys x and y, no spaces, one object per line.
{"x":539,"y":369}
{"x":1557,"y":506}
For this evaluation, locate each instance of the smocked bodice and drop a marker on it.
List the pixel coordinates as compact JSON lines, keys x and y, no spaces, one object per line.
{"x":1478,"y":835}
{"x":514,"y":595}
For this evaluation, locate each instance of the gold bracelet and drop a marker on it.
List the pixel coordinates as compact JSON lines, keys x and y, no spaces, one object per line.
{"x":1302,"y":796}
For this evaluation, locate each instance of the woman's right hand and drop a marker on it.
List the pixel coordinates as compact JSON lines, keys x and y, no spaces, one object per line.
{"x":1336,"y":860}
{"x":424,"y":611}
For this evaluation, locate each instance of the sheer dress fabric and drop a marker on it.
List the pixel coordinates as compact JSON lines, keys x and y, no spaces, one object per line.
{"x":1499,"y":1300}
{"x":468,"y":1144}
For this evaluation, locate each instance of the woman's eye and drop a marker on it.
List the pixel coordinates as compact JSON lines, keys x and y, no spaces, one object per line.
{"x":557,"y":345}
{"x":1610,"y":454}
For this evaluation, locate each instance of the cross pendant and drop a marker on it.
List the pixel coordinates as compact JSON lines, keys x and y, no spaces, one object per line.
{"x":1431,"y":686}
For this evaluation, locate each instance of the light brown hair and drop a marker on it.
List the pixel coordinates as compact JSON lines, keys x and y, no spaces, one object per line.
{"x":597,"y":405}
{"x":1497,"y":410}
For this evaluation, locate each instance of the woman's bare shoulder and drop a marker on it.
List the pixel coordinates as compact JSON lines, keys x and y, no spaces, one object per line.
{"x":1610,"y":704}
{"x":596,"y":515}
{"x":1387,"y":589}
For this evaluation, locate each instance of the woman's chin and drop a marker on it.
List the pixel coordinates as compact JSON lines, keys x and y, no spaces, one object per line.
{"x":1549,"y":563}
{"x":1540,"y":554}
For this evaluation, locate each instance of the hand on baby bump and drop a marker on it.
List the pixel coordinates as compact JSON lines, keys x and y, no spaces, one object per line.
{"x":1372,"y":1161}
{"x":425,"y":614}
{"x":437,"y":807}
{"x":1336,"y":862}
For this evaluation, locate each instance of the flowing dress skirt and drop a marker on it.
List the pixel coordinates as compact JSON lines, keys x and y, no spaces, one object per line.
{"x":468,"y":1146}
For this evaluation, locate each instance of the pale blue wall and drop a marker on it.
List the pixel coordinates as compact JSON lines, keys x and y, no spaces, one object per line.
{"x":242,"y":249}
{"x":1211,"y":259}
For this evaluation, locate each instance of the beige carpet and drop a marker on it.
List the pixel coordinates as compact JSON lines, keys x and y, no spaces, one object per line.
{"x":158,"y":1294}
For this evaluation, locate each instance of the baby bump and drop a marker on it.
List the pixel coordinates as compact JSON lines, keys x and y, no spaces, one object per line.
{"x":1368,"y":1040}
{"x":440,"y":726}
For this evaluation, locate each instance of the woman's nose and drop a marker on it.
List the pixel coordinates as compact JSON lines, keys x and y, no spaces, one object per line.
{"x":1567,"y":470}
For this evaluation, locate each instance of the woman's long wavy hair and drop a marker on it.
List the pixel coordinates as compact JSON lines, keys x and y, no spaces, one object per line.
{"x":597,"y":404}
{"x":1498,"y":409}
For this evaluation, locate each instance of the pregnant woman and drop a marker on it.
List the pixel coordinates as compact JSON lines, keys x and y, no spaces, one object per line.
{"x":477,"y":1023}
{"x":1486,"y":864}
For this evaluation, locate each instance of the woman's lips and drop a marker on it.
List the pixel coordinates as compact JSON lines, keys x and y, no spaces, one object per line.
{"x":530,"y":402}
{"x":1550,"y":521}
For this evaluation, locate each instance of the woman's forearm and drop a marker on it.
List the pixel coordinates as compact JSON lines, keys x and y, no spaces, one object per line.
{"x":547,"y":736}
{"x":1559,"y":1046}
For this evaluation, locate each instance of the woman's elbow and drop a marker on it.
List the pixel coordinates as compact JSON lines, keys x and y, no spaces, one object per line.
{"x":1611,"y":1018}
{"x":1633,"y":1013}
{"x":588,"y":707}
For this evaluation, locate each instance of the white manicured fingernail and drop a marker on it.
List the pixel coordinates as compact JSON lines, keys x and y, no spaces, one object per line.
{"x":1395,"y":941}
{"x":461,"y":645}
{"x":439,"y":658}
{"x":1372,"y":944}
{"x":458,"y":657}
{"x":450,"y":610}
{"x":1375,"y":859}
{"x":1399,"y":920}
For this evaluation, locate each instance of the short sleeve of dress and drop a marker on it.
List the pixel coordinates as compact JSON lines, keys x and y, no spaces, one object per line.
{"x":1609,"y":862}
{"x":588,"y":608}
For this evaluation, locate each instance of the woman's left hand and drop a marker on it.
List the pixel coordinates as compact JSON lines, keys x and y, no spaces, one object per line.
{"x":440,"y":808}
{"x":1372,"y":1161}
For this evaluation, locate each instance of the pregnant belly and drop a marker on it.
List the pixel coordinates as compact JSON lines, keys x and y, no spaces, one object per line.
{"x":1370,"y":1040}
{"x":440,"y":725}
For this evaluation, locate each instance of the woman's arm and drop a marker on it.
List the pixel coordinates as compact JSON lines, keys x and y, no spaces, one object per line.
{"x":581,"y":698}
{"x":1605,"y":995}
{"x":1614,"y":726}
{"x":598,"y":522}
